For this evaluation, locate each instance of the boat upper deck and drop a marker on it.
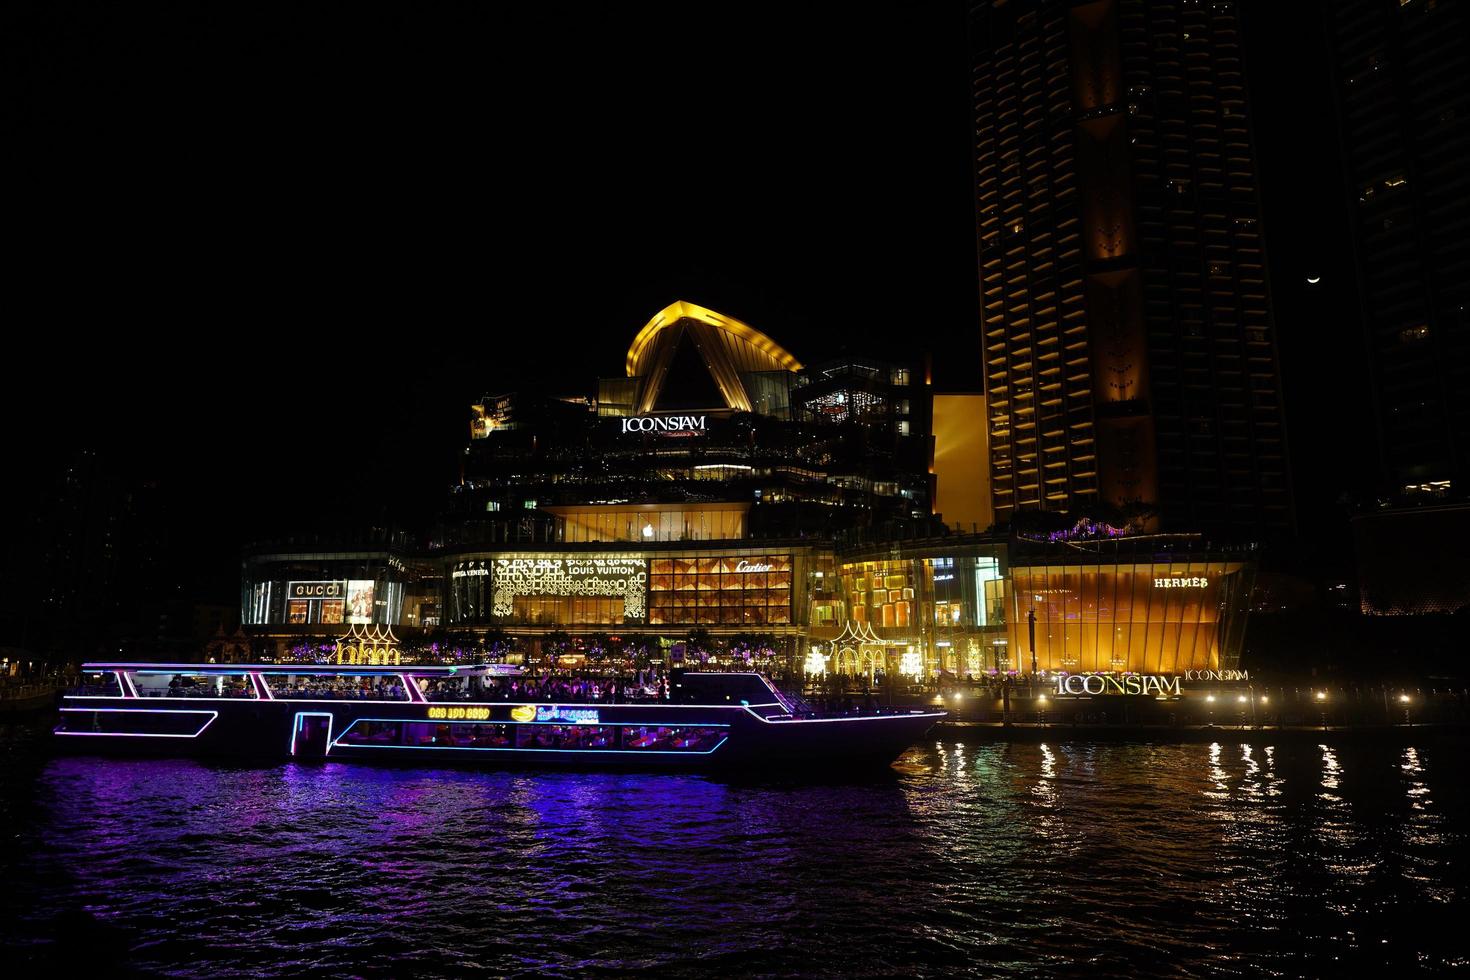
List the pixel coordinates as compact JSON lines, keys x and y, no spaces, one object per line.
{"x":479,"y":683}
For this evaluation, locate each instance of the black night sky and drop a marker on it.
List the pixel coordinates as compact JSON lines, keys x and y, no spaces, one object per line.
{"x":266,"y":259}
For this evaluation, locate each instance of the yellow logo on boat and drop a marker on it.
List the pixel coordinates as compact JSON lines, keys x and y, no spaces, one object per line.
{"x":523,"y":712}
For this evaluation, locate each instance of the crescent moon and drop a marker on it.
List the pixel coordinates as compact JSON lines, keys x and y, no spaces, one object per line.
{"x":1312,"y":281}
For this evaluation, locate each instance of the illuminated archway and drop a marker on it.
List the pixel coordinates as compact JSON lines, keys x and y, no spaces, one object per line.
{"x":728,"y":347}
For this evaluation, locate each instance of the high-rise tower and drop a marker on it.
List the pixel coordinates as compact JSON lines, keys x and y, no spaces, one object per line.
{"x":1405,"y":118}
{"x":1129,"y":355}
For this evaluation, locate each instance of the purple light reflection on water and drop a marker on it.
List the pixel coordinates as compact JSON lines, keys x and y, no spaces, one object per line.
{"x":1002,"y":860}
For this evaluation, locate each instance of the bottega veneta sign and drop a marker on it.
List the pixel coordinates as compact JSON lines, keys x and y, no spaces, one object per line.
{"x":664,"y":423}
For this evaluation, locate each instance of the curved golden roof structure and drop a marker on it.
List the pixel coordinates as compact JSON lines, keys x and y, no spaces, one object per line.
{"x":728,"y":347}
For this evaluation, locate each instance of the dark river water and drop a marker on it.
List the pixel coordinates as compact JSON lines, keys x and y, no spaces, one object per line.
{"x":1064,"y":858}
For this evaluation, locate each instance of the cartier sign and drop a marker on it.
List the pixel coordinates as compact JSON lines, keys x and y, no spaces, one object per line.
{"x":747,"y":566}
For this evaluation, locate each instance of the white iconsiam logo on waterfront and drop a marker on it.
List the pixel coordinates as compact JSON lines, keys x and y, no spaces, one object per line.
{"x":664,"y":423}
{"x":1217,"y":675}
{"x":1151,"y":685}
{"x":1199,"y":582}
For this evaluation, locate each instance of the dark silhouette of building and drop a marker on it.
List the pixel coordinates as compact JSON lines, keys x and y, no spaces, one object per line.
{"x":1404,"y":112}
{"x":87,"y":561}
{"x":1130,"y":362}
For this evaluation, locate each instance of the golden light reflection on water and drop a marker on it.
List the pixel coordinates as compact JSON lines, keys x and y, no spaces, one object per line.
{"x":1331,"y":770}
{"x":1413,"y":769}
{"x":1218,"y":779}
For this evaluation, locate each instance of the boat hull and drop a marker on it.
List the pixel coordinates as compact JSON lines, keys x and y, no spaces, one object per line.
{"x":640,"y":736}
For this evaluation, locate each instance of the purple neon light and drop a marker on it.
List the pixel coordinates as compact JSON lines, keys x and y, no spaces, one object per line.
{"x":173,"y":668}
{"x":472,"y":748}
{"x":129,"y":691}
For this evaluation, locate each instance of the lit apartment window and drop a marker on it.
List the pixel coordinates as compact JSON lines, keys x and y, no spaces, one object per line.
{"x":492,"y":505}
{"x":529,"y":504}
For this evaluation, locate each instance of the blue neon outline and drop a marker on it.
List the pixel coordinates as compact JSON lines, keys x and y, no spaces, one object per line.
{"x":471,"y":748}
{"x":296,"y":727}
{"x":213,"y":716}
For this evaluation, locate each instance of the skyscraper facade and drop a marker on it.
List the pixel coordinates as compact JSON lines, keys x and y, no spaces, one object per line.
{"x":1130,"y":364}
{"x":1404,"y":112}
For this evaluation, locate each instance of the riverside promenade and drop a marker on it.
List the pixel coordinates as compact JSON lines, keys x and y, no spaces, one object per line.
{"x":1032,"y":710}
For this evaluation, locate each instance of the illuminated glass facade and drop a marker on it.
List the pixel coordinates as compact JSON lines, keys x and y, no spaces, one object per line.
{"x":941,"y":604}
{"x":724,"y":590}
{"x":744,"y":590}
{"x":310,"y":589}
{"x":1124,"y":610}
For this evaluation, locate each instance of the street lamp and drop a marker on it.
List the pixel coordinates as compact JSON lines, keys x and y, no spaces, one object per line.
{"x":1041,"y":709}
{"x":1322,"y":702}
{"x":1210,"y":700}
{"x":1404,"y":700}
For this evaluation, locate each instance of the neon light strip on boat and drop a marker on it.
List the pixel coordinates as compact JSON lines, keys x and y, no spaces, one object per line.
{"x":469,"y":748}
{"x":296,"y":728}
{"x":411,"y":690}
{"x":126,"y":682}
{"x":143,"y":711}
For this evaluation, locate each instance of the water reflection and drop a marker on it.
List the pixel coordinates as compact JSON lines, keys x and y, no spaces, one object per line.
{"x":998,"y":860}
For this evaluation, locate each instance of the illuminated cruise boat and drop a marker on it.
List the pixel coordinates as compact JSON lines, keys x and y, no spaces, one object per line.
{"x":444,"y":713}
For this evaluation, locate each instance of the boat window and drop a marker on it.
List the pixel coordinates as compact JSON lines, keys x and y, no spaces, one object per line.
{"x":96,"y":684}
{"x":165,"y":723}
{"x":677,"y":738}
{"x":186,"y":684}
{"x":446,"y":688}
{"x":326,"y":686}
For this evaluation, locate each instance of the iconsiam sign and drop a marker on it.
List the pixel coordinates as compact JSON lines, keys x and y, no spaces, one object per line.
{"x":1145,"y":685}
{"x":593,"y":576}
{"x":665,"y":423}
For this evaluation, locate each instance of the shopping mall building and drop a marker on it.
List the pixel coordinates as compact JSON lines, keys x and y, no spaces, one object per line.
{"x":723,"y":500}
